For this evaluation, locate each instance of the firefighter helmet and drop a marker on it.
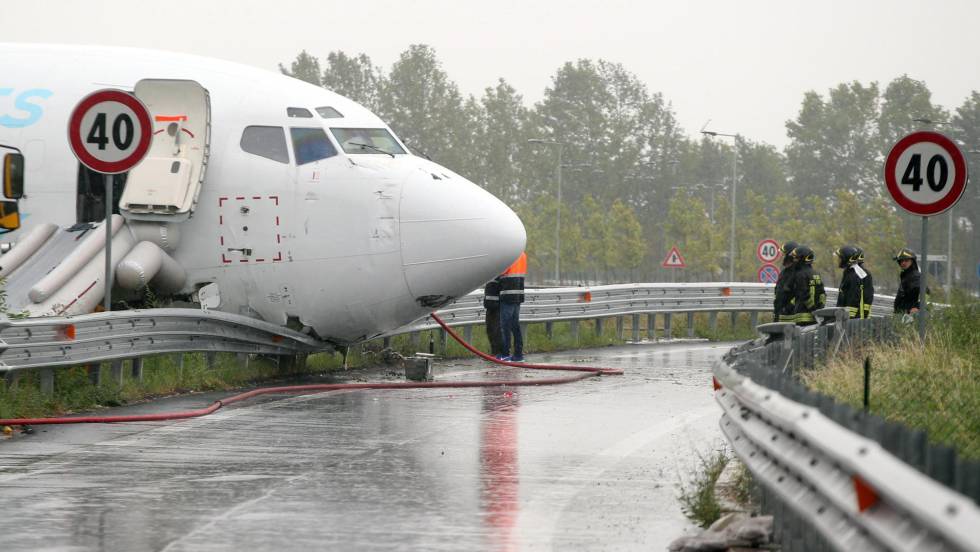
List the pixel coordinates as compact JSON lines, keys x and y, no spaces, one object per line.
{"x":849,"y":255}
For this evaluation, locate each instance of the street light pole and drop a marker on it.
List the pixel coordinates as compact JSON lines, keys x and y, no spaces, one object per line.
{"x":561,"y":146}
{"x":731,"y":252}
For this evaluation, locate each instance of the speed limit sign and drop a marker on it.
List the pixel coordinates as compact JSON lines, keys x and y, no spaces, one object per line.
{"x":110,"y":131}
{"x":767,"y":251}
{"x":925,"y":173}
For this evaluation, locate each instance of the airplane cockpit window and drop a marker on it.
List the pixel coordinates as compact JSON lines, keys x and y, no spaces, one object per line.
{"x":265,"y":141}
{"x":328,"y":112}
{"x":311,"y":144}
{"x":300,"y":112}
{"x":367,"y":140}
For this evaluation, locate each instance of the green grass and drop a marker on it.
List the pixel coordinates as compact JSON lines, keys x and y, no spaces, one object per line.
{"x":935,"y":386}
{"x":697,"y":495}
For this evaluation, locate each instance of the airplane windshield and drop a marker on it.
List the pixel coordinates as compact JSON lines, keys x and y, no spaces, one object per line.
{"x":374,"y":141}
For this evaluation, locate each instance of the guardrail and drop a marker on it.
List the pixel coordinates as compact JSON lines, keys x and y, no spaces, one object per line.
{"x":43,"y":343}
{"x":837,"y":478}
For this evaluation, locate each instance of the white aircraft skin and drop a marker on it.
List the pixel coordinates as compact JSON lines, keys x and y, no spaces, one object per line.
{"x":347,"y":245}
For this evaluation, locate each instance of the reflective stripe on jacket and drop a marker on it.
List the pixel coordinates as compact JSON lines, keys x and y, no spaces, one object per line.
{"x":512,"y":281}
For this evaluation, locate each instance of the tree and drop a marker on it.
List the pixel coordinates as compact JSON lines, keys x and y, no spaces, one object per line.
{"x":502,"y":139}
{"x":426,"y":109}
{"x":353,"y":77}
{"x":835,"y":143}
{"x":904,"y":100}
{"x":305,"y":68}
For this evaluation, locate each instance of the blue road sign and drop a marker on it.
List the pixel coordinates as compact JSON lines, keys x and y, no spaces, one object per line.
{"x":768,"y":273}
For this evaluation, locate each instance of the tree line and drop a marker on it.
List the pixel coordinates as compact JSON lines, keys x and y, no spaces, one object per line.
{"x":633,"y":183}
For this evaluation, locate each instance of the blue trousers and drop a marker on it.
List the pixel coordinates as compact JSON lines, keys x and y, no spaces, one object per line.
{"x":510,"y":325}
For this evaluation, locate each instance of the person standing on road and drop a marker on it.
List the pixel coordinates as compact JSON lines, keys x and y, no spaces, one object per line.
{"x":857,"y":290}
{"x":907,"y":298}
{"x":511,"y":297}
{"x":782,"y":309}
{"x":491,"y":303}
{"x":806,"y":287}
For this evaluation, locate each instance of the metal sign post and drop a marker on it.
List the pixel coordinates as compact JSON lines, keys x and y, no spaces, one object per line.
{"x":926,"y":174}
{"x":110,"y":132}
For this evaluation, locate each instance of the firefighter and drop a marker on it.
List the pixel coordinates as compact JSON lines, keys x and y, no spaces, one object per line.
{"x":782,"y":309}
{"x":805,"y":287}
{"x":856,"y":285}
{"x":491,"y":302}
{"x":511,"y":297}
{"x":907,"y":298}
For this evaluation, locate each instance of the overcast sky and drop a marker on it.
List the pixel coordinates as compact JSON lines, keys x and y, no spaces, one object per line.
{"x":743,"y":64}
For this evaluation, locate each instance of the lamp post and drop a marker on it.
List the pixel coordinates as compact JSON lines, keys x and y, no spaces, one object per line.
{"x":561,"y":146}
{"x":731,"y":253}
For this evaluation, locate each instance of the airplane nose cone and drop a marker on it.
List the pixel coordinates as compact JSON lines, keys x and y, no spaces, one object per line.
{"x":455,"y":236}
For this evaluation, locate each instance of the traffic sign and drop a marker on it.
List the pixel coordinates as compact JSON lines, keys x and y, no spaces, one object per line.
{"x":768,"y":273}
{"x":925,"y":173}
{"x":110,"y":131}
{"x":767,"y":251}
{"x":674,"y":259}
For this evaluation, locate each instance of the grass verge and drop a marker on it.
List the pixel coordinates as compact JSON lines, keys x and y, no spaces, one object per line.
{"x":933,"y":386}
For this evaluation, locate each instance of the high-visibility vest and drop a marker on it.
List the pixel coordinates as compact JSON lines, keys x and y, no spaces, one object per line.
{"x":512,"y":281}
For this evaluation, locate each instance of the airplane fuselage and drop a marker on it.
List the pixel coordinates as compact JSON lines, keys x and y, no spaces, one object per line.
{"x":350,"y":245}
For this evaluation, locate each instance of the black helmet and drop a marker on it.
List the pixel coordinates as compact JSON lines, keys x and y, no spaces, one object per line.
{"x":849,"y":255}
{"x":904,"y":255}
{"x":788,"y":247}
{"x":802,"y":254}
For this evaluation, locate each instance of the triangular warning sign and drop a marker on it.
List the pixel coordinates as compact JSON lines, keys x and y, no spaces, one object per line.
{"x":674,"y":259}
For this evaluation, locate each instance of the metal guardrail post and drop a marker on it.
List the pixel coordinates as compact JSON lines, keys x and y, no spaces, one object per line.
{"x":468,"y":333}
{"x":549,"y":330}
{"x":444,"y":340}
{"x":210,"y":360}
{"x":667,"y":330}
{"x":95,"y":374}
{"x":734,"y":317}
{"x":574,"y":329}
{"x":386,"y":341}
{"x":636,"y":328}
{"x":713,"y":321}
{"x":598,"y":327}
{"x":619,"y":327}
{"x":137,"y":369}
{"x":47,"y":381}
{"x":753,"y":319}
{"x":690,"y":324}
{"x":652,"y":326}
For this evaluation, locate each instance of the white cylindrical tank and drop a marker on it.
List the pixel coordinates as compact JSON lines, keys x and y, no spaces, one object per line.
{"x":148,"y":262}
{"x":25,"y":248}
{"x":66,"y":269}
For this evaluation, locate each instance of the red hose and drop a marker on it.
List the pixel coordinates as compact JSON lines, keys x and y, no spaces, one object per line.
{"x":484,"y":356}
{"x":587,"y":372}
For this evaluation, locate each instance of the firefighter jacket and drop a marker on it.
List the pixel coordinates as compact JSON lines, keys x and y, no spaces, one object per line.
{"x":512,"y":281}
{"x":491,"y":294}
{"x":907,"y":297}
{"x":807,"y":294}
{"x":781,"y":305}
{"x":857,"y":291}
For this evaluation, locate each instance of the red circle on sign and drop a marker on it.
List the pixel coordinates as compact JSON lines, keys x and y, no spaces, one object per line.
{"x":768,"y":267}
{"x":142,"y":119}
{"x":956,"y":189}
{"x":762,"y":244}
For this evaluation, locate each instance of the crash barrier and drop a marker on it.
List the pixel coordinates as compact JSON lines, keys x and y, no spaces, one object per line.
{"x":834,"y":477}
{"x":47,"y":342}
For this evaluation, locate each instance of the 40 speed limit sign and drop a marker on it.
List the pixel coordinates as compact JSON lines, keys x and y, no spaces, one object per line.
{"x":925,"y":173}
{"x":110,"y":131}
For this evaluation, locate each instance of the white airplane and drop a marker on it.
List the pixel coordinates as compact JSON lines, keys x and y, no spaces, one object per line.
{"x":302,"y":206}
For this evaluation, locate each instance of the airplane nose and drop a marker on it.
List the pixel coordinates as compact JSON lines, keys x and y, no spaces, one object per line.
{"x":455,"y":236}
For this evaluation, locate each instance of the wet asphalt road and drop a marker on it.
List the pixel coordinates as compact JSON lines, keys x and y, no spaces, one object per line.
{"x":591,"y":465}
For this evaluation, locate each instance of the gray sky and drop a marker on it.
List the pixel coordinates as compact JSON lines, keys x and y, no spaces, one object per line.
{"x":743,"y":64}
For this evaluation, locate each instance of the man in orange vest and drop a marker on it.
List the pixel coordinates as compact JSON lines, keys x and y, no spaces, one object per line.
{"x":511,"y":297}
